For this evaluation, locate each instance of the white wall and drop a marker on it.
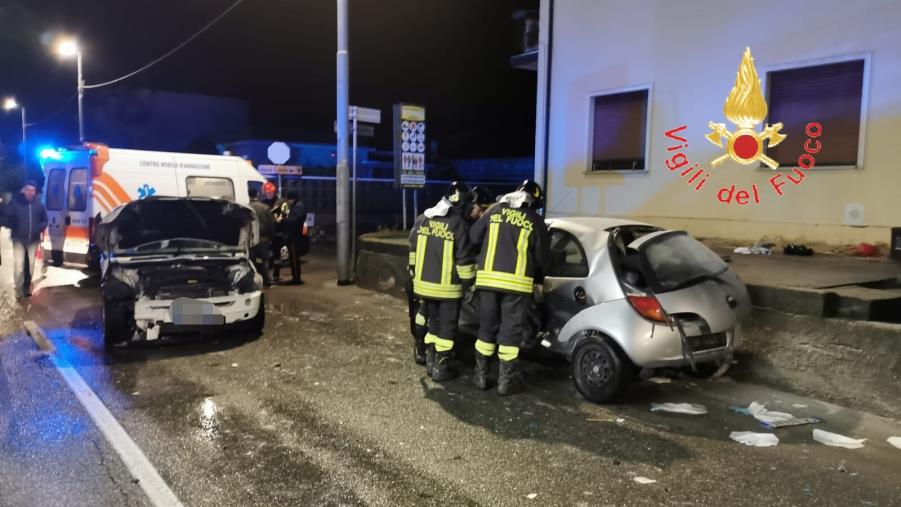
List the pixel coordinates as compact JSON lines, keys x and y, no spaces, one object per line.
{"x":689,"y":52}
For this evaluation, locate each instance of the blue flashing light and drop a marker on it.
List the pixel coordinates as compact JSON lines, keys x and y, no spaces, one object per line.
{"x":49,"y":153}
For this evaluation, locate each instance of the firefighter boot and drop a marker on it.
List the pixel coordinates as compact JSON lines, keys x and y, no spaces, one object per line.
{"x":429,"y":359}
{"x":509,"y":379}
{"x":442,"y":369}
{"x":480,"y":376}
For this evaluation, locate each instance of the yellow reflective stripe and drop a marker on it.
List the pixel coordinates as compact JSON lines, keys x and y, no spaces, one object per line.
{"x":447,"y":262}
{"x":522,"y":248}
{"x":436,"y":290}
{"x":467,"y":272}
{"x":507,"y":352}
{"x":485,"y":348}
{"x":492,"y":246}
{"x":506,"y":281}
{"x":412,"y":258}
{"x":441,"y":344}
{"x":420,"y":319}
{"x":421,"y":243}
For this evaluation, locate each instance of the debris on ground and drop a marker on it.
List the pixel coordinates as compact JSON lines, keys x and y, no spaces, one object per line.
{"x":836,"y":440}
{"x":531,"y":496}
{"x":895,"y":441}
{"x":739,"y":410}
{"x":797,"y":421}
{"x":866,"y":250}
{"x":660,"y":380}
{"x":799,"y":405}
{"x":753,"y":250}
{"x":793,"y":249}
{"x":760,"y":412}
{"x":643,"y":480}
{"x":754,"y":439}
{"x":842,"y":469}
{"x":234,"y":365}
{"x":620,"y":420}
{"x":679,"y":408}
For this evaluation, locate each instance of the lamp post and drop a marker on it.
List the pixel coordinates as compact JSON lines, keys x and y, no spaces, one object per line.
{"x":67,"y":49}
{"x":8,"y":105}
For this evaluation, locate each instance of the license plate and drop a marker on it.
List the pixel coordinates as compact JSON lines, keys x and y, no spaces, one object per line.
{"x":191,"y":312}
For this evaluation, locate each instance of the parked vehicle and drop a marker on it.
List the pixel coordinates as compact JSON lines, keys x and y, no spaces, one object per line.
{"x":85,"y":183}
{"x":174,"y":265}
{"x":622,"y":296}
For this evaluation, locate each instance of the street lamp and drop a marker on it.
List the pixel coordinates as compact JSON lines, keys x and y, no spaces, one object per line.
{"x":68,"y":48}
{"x":9,"y":103}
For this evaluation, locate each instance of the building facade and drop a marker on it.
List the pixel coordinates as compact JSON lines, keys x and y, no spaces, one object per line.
{"x":614,"y":77}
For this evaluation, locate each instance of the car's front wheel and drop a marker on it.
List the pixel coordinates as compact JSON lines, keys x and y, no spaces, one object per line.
{"x":600,"y":371}
{"x":118,"y":324}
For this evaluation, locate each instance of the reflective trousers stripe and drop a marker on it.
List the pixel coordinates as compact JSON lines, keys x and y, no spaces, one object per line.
{"x":412,"y":258}
{"x":492,"y":246}
{"x":485,"y":348}
{"x":420,"y":319}
{"x":441,"y":344}
{"x":507,"y":352}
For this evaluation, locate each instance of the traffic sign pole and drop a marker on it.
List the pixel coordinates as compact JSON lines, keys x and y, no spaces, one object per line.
{"x":353,"y":193}
{"x":341,"y":187}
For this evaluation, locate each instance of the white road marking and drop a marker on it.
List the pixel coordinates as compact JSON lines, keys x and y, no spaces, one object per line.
{"x":135,"y":461}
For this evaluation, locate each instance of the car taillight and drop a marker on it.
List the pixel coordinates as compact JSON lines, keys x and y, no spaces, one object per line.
{"x":648,"y":307}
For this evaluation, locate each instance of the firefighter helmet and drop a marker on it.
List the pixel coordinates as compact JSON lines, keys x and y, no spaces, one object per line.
{"x":459,"y":194}
{"x":534,"y":191}
{"x":482,"y":196}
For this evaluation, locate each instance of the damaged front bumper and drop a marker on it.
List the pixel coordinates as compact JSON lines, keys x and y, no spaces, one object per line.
{"x":153,"y":317}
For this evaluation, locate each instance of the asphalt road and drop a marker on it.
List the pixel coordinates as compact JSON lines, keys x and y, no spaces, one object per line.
{"x":327,"y":408}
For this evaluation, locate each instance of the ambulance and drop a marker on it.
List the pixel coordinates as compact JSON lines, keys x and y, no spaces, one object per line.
{"x":84,"y":183}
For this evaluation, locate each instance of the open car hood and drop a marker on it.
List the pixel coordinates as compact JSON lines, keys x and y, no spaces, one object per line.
{"x":173,"y":225}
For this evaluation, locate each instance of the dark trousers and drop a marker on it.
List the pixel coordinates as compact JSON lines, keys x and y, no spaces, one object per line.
{"x":442,"y":317}
{"x":416,"y":312}
{"x":294,"y":259}
{"x":502,"y":321}
{"x":261,"y":254}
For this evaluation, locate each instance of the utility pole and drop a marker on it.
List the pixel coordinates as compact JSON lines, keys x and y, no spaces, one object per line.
{"x":342,"y":201}
{"x":80,"y":99}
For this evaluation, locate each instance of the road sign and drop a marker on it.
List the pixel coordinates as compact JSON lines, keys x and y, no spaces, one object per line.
{"x":280,"y":170}
{"x":279,"y":153}
{"x":409,"y":145}
{"x":367,"y":115}
{"x":363,"y":129}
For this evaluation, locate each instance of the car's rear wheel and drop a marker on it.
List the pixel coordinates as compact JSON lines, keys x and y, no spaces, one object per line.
{"x":118,"y":324}
{"x":600,"y":371}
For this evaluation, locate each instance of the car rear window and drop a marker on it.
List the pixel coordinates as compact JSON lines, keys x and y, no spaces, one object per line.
{"x":676,"y":260}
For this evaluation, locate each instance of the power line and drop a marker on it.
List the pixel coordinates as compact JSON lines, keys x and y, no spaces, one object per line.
{"x":170,"y":52}
{"x":51,"y":115}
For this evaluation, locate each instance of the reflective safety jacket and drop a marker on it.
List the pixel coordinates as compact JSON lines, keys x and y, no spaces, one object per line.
{"x":441,"y":256}
{"x":514,"y":249}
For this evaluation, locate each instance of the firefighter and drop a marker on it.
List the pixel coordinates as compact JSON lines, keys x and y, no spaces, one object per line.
{"x":481,"y":201}
{"x":514,"y":249}
{"x":443,"y":269}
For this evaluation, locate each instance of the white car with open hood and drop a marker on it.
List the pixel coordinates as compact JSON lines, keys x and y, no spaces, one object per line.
{"x":173,"y":265}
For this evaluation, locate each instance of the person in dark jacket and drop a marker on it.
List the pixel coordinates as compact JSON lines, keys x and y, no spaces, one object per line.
{"x":262,"y":251}
{"x":26,"y":218}
{"x":294,"y":234}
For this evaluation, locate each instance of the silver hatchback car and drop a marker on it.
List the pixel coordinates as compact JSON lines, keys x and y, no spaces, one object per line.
{"x":621,"y":297}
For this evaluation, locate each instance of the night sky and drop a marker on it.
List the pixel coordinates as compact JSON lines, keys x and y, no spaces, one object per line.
{"x":279,"y":55}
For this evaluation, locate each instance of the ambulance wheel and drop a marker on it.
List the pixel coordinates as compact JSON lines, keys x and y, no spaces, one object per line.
{"x":118,"y":325}
{"x":600,"y":371}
